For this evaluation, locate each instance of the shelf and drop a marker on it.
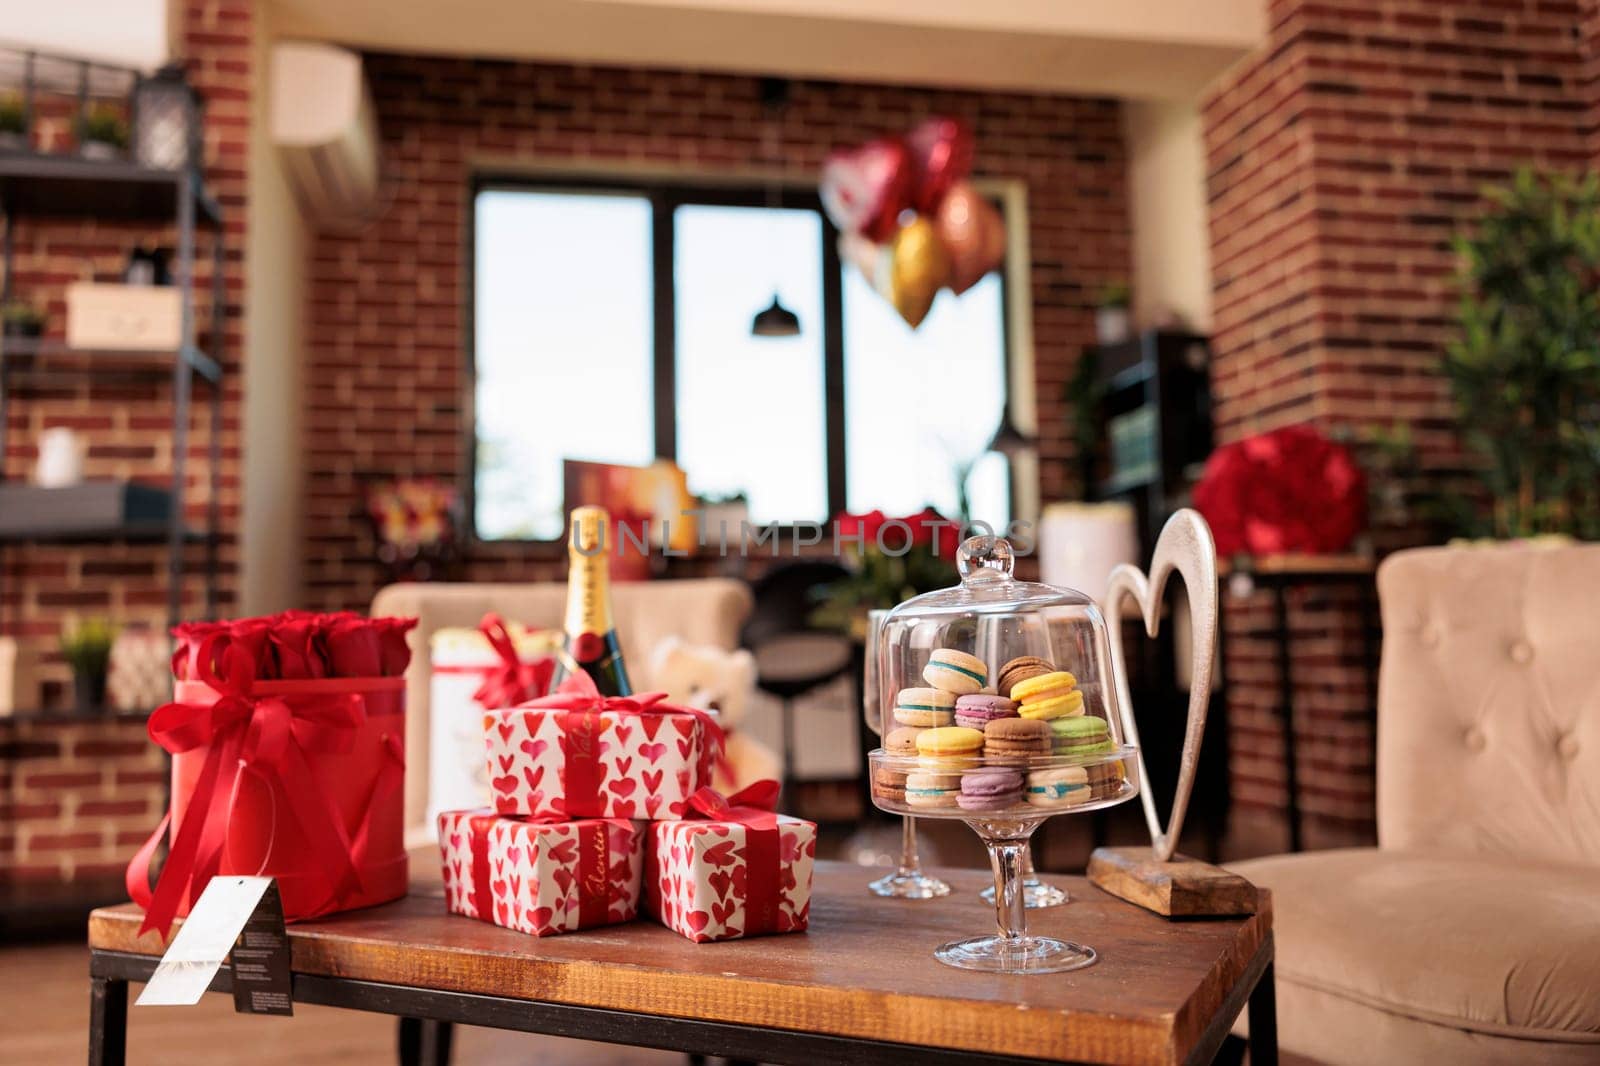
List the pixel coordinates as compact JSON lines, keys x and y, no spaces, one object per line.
{"x":18,"y":349}
{"x":36,"y":183}
{"x":33,"y":715}
{"x":93,"y":512}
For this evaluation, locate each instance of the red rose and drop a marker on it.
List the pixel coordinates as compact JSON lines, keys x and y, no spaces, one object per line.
{"x":293,"y":639}
{"x":352,"y":647}
{"x":394,"y":647}
{"x":1285,"y":491}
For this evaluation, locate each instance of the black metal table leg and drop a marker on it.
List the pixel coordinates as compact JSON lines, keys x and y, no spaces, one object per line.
{"x":1291,"y":772}
{"x":108,"y":1022}
{"x":1263,"y":1012}
{"x":423,"y":1042}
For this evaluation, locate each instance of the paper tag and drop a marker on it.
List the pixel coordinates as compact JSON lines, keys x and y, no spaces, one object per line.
{"x":260,"y":960}
{"x":203,"y":942}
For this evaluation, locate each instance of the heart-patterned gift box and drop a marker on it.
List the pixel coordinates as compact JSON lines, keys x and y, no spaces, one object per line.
{"x":733,"y":872}
{"x":541,"y":876}
{"x":611,"y":758}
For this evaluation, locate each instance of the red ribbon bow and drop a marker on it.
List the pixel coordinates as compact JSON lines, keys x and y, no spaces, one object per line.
{"x":511,"y":680}
{"x":266,"y":734}
{"x":752,"y":807}
{"x":582,"y":703}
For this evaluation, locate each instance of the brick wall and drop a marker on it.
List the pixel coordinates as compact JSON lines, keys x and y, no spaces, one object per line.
{"x":385,"y":332}
{"x":1341,"y":158}
{"x":78,"y":796}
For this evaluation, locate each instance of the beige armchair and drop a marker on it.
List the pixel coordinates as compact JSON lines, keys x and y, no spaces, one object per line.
{"x":1471,"y":934}
{"x":709,"y":611}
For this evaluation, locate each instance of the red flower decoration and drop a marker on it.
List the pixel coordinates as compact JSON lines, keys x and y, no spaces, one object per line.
{"x":1290,"y":490}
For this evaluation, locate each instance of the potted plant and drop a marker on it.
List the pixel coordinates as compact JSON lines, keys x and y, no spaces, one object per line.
{"x":102,"y":133}
{"x":1113,"y":321}
{"x":1525,"y":372}
{"x":13,"y":123}
{"x":20,"y":319}
{"x":86,"y":646}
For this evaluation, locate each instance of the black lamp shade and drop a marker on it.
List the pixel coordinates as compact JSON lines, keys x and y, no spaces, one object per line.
{"x":1008,"y":440}
{"x":775,"y":321}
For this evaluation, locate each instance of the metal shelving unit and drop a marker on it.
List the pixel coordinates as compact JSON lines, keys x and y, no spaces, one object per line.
{"x":38,"y":185}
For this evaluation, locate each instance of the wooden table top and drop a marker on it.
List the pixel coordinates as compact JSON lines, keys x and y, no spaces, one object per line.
{"x":865,"y":969}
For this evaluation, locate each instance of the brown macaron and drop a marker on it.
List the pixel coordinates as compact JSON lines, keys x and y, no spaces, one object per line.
{"x":889,"y":784}
{"x":1020,"y":669}
{"x":902,"y":741}
{"x":1016,"y":740}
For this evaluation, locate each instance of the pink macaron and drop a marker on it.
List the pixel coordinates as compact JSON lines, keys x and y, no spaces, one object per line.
{"x":978,"y":710}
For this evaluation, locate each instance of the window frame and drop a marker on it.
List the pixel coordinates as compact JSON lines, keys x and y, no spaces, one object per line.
{"x":665,"y":196}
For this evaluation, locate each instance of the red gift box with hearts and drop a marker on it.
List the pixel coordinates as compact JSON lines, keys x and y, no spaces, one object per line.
{"x":577,"y":754}
{"x":541,"y":876}
{"x":734,"y":869}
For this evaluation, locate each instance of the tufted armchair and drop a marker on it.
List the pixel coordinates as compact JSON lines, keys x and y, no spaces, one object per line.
{"x":1471,"y":934}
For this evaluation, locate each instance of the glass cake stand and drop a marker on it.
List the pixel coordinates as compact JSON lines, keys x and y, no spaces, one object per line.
{"x":907,"y":881}
{"x":1031,"y":665}
{"x":1107,"y":780}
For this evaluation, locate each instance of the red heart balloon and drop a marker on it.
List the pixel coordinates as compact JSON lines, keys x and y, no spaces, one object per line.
{"x":941,"y":151}
{"x":864,"y":189}
{"x":973,"y":235}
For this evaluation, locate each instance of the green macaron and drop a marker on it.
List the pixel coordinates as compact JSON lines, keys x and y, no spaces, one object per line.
{"x":1081,"y":736}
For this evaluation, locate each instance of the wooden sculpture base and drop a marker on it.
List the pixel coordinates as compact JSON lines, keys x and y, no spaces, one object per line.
{"x":1182,"y":888}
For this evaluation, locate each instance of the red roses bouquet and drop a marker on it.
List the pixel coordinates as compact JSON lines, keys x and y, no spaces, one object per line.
{"x":891,"y":559}
{"x":1291,"y":490}
{"x":298,"y":644}
{"x":287,"y":737}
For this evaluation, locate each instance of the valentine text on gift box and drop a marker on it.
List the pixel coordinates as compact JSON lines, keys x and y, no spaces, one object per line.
{"x":541,"y":877}
{"x":579,"y":755}
{"x":730,"y":872}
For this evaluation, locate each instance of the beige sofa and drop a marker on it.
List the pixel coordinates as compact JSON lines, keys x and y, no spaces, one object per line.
{"x":709,"y":611}
{"x":1471,"y":934}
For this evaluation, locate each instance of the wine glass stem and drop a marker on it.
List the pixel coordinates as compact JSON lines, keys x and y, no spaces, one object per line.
{"x":1010,"y":911}
{"x":1027,"y":860}
{"x":910,"y":863}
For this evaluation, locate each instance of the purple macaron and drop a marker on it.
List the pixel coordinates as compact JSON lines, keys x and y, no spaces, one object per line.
{"x":979,"y":710}
{"x":990,"y":790}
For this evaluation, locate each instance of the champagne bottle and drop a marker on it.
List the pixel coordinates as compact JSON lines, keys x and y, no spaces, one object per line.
{"x":590,"y":635}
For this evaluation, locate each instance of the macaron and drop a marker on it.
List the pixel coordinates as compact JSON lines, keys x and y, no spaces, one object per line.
{"x":1106,"y":779}
{"x":950,"y":747}
{"x":889,"y":784}
{"x":990,"y":790}
{"x":956,"y":672}
{"x":901,"y":740}
{"x":924,"y":707}
{"x":979,"y":709}
{"x":1067,"y":786}
{"x":931,"y":788}
{"x":1052,"y":695}
{"x":1015,"y":740}
{"x":1082,"y":737}
{"x":1020,"y":669}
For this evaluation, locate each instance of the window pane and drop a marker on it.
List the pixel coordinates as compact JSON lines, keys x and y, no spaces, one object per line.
{"x":920,"y":402}
{"x":563,"y":346}
{"x":750,"y":409}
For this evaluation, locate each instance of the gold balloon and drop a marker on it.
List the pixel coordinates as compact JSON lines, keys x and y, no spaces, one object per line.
{"x":918,"y":269}
{"x":973,"y":234}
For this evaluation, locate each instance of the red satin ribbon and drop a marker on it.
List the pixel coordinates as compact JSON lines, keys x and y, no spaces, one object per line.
{"x":510,"y":681}
{"x":266,"y":730}
{"x":594,"y":866}
{"x":581,"y":703}
{"x":751,"y":807}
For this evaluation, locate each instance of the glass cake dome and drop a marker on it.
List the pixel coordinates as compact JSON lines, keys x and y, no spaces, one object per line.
{"x":999,"y":707}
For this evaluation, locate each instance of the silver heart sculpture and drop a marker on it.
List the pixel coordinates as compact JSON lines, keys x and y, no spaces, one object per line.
{"x":1185,"y":546}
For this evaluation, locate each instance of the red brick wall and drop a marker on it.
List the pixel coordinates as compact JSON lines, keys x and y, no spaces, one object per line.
{"x":1342,"y":157}
{"x":77,"y":796}
{"x":385,"y":331}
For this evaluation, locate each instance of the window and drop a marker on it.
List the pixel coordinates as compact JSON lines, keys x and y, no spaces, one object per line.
{"x":613,"y":325}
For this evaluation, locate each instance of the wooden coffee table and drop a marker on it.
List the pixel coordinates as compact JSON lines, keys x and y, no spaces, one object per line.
{"x":861,"y":987}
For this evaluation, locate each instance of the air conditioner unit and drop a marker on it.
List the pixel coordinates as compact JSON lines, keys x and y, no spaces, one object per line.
{"x":325,"y":128}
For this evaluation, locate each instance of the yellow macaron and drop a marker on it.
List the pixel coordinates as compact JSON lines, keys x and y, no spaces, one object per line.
{"x":1063,"y":706}
{"x":1043,"y":687}
{"x":951,"y":741}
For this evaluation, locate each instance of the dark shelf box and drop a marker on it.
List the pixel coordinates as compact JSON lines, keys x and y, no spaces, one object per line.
{"x":108,"y":510}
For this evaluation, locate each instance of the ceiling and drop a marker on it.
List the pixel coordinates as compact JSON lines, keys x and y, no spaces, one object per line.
{"x":1149,"y":49}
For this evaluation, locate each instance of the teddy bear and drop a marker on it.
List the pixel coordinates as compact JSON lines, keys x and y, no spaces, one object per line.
{"x":721,"y":681}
